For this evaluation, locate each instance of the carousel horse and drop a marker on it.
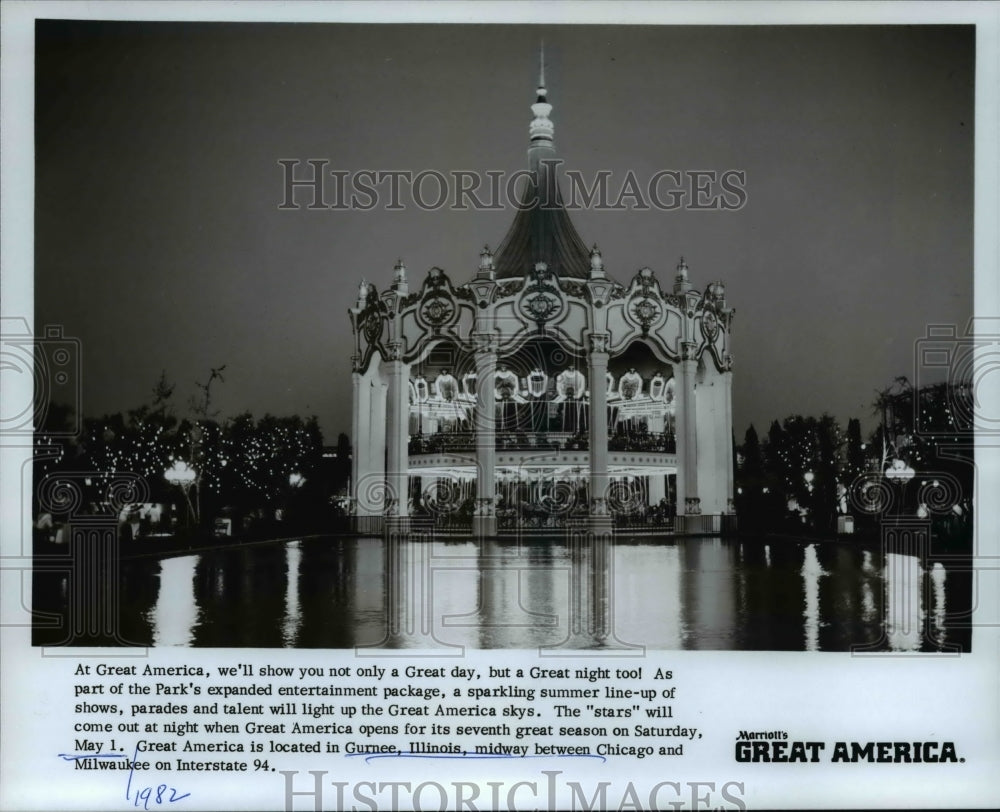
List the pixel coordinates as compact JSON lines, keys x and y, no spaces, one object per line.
{"x":570,"y":391}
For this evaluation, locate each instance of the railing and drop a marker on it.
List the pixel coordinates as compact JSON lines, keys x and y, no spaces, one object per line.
{"x":443,"y":443}
{"x":465,"y":441}
{"x":553,"y":441}
{"x":459,"y":520}
{"x":367,"y":525}
{"x":523,"y":517}
{"x":528,"y":517}
{"x":653,"y":519}
{"x":662,"y":442}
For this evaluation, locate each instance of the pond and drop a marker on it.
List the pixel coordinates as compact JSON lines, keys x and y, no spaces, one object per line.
{"x":569,"y":592}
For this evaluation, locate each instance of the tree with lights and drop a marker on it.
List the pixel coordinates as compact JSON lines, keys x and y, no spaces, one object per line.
{"x":759,"y":504}
{"x":240,"y":463}
{"x":924,"y":446}
{"x":801,"y":472}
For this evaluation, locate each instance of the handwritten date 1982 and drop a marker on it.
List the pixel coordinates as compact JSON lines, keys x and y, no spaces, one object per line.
{"x":161,"y":794}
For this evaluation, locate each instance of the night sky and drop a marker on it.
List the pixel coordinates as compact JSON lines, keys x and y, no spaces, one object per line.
{"x":160,"y":244}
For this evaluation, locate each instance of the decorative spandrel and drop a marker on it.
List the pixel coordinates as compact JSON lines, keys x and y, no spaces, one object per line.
{"x":437,"y":308}
{"x":645,"y":307}
{"x":714,"y":319}
{"x":369,"y":320}
{"x":541,"y":301}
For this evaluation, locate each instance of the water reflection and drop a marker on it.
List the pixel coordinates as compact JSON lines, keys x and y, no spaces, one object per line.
{"x":938,"y":576}
{"x":293,"y":616}
{"x":569,"y":593}
{"x":904,"y":610}
{"x":175,"y":614}
{"x":811,"y":572}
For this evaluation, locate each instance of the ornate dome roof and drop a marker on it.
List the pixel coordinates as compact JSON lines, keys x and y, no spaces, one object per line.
{"x":542,"y":232}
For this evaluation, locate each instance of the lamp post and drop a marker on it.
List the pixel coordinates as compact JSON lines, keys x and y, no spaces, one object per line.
{"x":900,"y":473}
{"x":809,"y":502}
{"x":295,"y":481}
{"x":183,"y":476}
{"x":195,"y":438}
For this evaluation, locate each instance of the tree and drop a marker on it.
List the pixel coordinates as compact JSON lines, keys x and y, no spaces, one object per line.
{"x":802,"y":463}
{"x":261,"y":457}
{"x":823,"y":505}
{"x":753,"y":458}
{"x":163,"y":390}
{"x":201,"y":457}
{"x":751,"y":482}
{"x":930,"y":430}
{"x":55,"y":449}
{"x":855,"y":458}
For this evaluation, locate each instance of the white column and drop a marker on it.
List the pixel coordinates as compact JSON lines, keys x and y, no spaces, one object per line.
{"x":600,"y":519}
{"x":688,"y":503}
{"x":371,"y":484}
{"x":727,"y":382}
{"x":359,"y":449}
{"x":484,"y":522}
{"x":657,"y":489}
{"x":397,"y":444}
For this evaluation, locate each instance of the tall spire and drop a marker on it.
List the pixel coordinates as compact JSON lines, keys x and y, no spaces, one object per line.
{"x":541,"y":72}
{"x":542,"y":231}
{"x":541,"y":131}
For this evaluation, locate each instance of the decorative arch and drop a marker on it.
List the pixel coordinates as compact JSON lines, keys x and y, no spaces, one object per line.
{"x":659,"y":350}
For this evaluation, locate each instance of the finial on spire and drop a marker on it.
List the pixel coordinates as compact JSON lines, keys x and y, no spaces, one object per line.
{"x":681,"y":283}
{"x":541,"y":72}
{"x":399,"y":277}
{"x":596,"y":262}
{"x":541,"y":130}
{"x":486,"y":259}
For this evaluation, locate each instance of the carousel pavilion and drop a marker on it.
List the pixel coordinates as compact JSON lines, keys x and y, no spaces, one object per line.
{"x":543,"y":392}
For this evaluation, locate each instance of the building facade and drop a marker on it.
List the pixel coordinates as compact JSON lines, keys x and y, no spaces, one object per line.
{"x":543,"y":392}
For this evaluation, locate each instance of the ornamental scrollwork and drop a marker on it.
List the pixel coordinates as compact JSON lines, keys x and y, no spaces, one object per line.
{"x":372,"y":322}
{"x":437,"y":310}
{"x":645,"y":281}
{"x":645,"y":307}
{"x":645,"y":311}
{"x":713,"y":298}
{"x":541,"y":301}
{"x":617,"y":292}
{"x":541,"y":306}
{"x":509,"y":288}
{"x":575,"y":289}
{"x":484,"y":342}
{"x":437,"y":307}
{"x":599,"y":342}
{"x":710,"y":326}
